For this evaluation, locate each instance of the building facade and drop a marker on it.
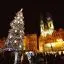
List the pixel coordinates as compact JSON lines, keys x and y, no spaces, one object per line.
{"x":46,"y":31}
{"x":30,"y":42}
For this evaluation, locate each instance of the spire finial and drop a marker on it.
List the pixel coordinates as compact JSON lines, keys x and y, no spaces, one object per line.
{"x":48,"y":16}
{"x":21,"y":9}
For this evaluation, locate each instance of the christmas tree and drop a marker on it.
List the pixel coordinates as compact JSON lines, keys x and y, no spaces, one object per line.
{"x":16,"y":33}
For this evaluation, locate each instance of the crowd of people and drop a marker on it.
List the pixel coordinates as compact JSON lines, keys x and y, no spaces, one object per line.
{"x":48,"y":58}
{"x":33,"y":58}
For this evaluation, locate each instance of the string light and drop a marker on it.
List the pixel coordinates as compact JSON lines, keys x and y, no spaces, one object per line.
{"x":10,"y":36}
{"x":18,"y":17}
{"x":15,"y":21}
{"x":15,"y":41}
{"x":20,"y":31}
{"x":19,"y":46}
{"x":15,"y":30}
{"x":18,"y":21}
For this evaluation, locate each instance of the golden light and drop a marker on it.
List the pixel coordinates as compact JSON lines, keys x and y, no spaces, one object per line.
{"x":59,"y":52}
{"x":41,"y":49}
{"x":53,"y":44}
{"x":63,"y":52}
{"x":58,"y":44}
{"x":59,"y":40}
{"x":50,"y":44}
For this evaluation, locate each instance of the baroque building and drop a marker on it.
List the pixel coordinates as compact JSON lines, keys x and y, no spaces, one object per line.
{"x":30,"y":42}
{"x":45,"y":30}
{"x":50,"y":39}
{"x":48,"y":28}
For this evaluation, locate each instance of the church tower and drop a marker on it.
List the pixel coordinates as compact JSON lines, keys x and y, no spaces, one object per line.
{"x":50,"y":25}
{"x":41,"y":26}
{"x":47,"y":27}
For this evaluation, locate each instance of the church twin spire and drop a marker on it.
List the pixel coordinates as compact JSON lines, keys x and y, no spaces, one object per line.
{"x":46,"y":27}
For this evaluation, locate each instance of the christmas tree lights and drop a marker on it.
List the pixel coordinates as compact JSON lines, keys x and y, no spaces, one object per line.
{"x":16,"y":33}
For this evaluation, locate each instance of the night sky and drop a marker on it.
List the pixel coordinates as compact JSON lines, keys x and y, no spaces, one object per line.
{"x":32,"y":11}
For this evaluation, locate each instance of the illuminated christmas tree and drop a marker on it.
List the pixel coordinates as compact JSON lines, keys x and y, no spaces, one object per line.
{"x":16,"y":33}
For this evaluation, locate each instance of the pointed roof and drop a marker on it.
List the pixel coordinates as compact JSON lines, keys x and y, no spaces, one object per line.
{"x":48,"y":16}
